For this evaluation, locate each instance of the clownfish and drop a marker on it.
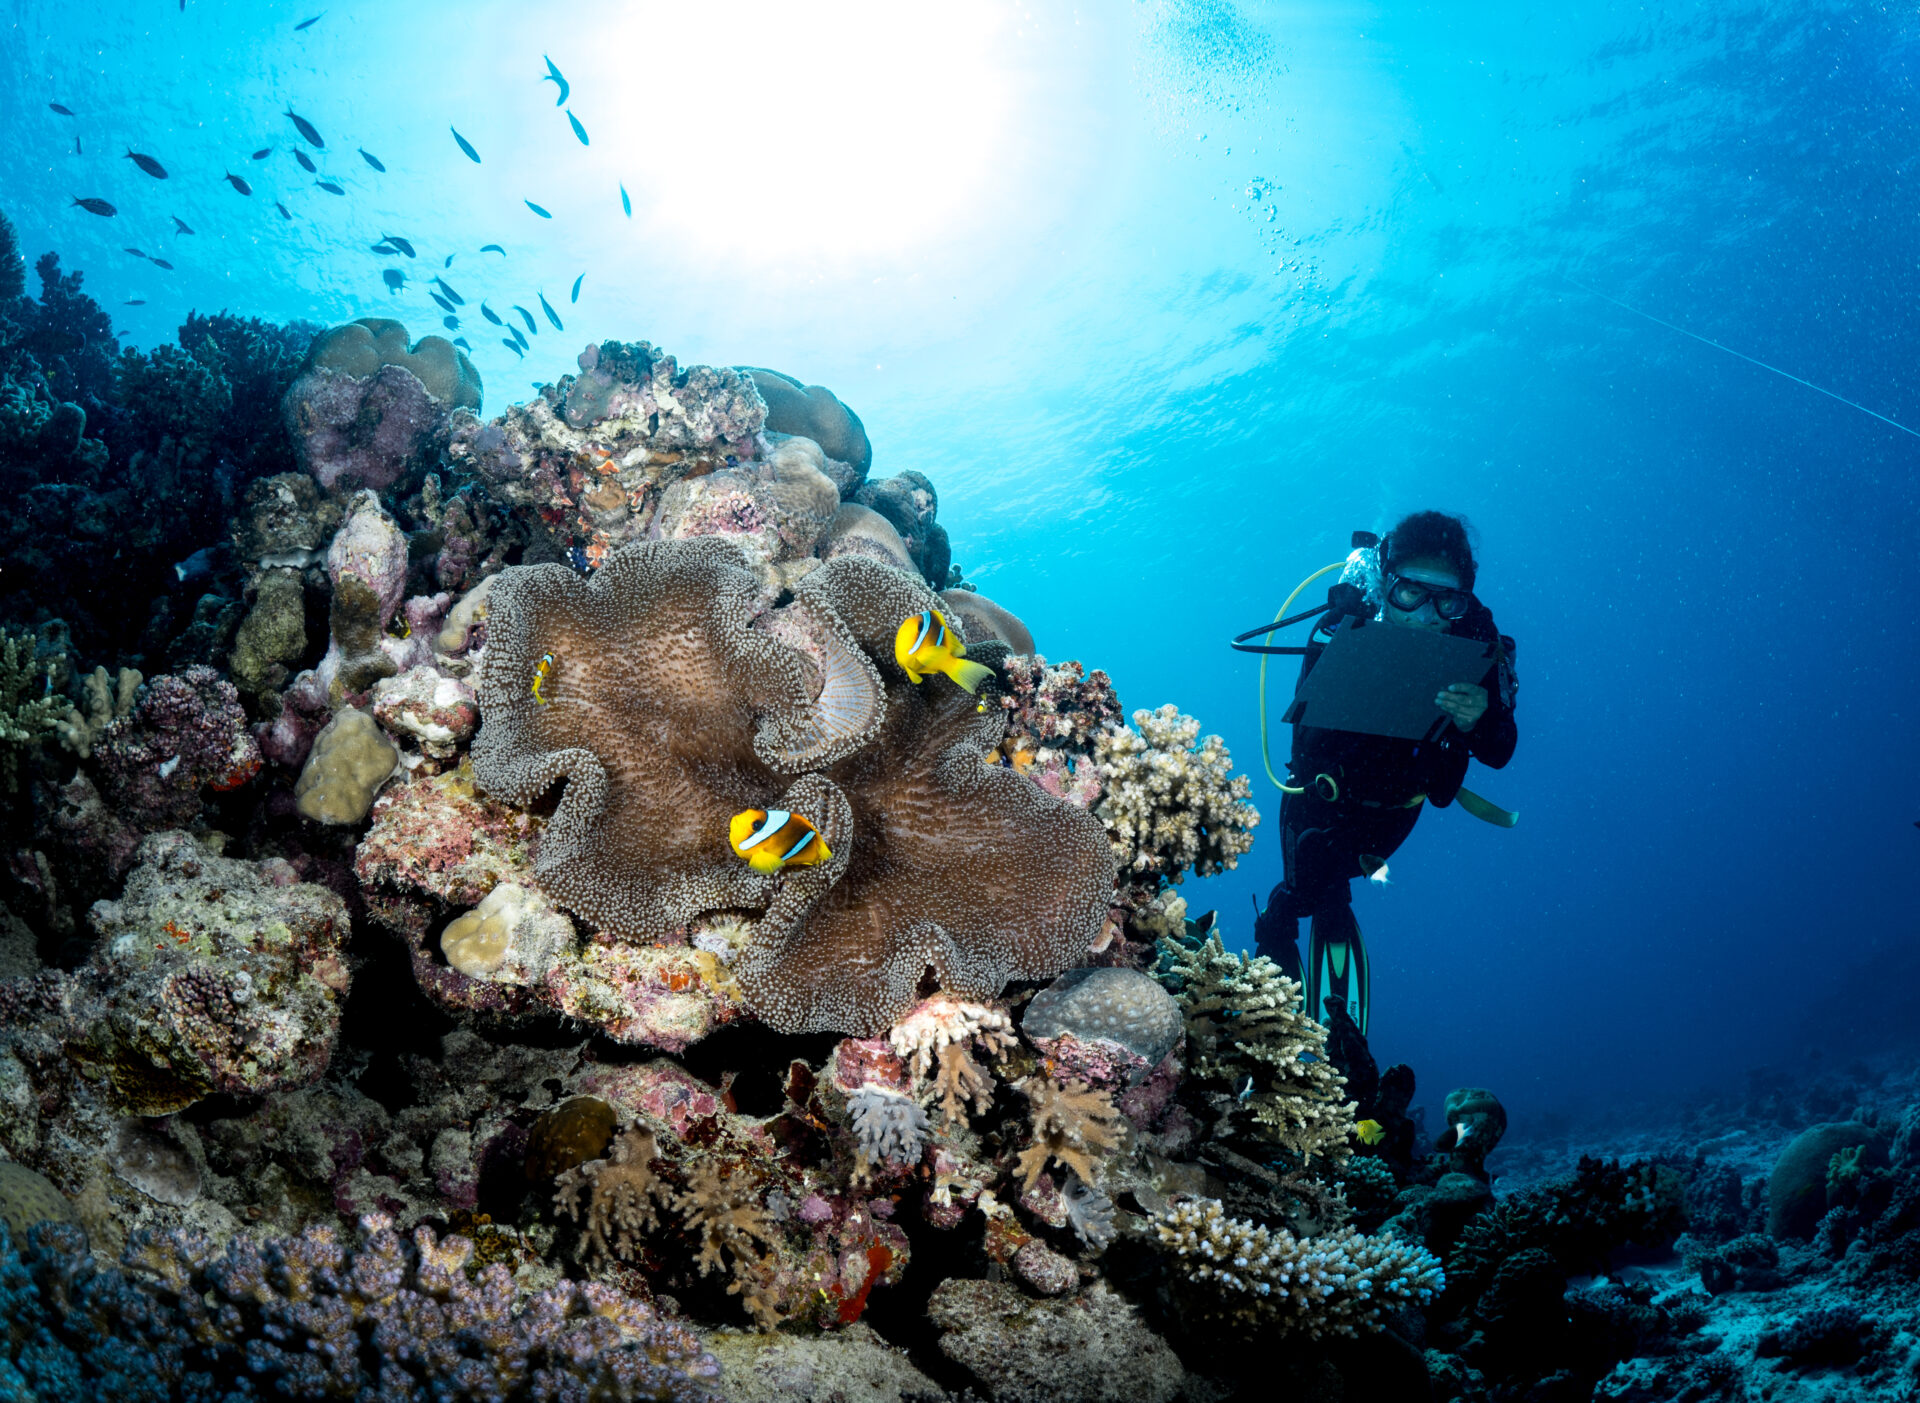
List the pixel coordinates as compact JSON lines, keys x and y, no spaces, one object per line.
{"x":771,"y":839}
{"x":925,"y":645}
{"x":1371,"y":1132}
{"x":542,"y":670}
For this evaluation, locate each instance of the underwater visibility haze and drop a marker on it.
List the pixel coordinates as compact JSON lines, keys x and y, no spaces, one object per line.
{"x":489,"y":739}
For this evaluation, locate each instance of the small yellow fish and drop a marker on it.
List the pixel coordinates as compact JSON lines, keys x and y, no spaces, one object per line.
{"x":542,"y":670}
{"x":1371,"y":1132}
{"x":771,"y":839}
{"x":398,"y":627}
{"x":925,"y":645}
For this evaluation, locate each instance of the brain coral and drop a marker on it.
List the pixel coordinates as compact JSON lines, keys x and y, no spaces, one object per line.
{"x":666,"y":711}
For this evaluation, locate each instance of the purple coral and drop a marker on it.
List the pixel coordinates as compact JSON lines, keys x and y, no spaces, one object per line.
{"x":187,"y":734}
{"x":309,"y":1317}
{"x":351,"y":432}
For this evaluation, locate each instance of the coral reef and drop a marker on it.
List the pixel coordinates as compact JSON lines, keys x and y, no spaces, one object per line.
{"x":186,"y":735}
{"x":310,"y":1317}
{"x":27,"y":710}
{"x":1170,"y":806}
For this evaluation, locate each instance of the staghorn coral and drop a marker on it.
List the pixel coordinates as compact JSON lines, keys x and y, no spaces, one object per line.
{"x":28,"y":709}
{"x":1072,"y":1125}
{"x":1170,"y":807}
{"x":1246,"y":1029}
{"x":309,"y":1317}
{"x":1338,"y":1284}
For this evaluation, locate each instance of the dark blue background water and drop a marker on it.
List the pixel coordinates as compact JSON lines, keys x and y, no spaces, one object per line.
{"x":1033,"y":248}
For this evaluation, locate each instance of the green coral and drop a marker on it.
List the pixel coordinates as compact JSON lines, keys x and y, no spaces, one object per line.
{"x":1246,"y":1031}
{"x":28,"y":707}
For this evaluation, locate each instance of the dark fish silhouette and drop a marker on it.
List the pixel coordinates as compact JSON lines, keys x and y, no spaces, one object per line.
{"x":180,"y":225}
{"x":521,"y":337}
{"x":552,"y":315}
{"x":449,"y":262}
{"x":284,"y":212}
{"x":306,"y":128}
{"x":466,"y":146}
{"x":136,"y":253}
{"x":461,"y":342}
{"x":308,"y":23}
{"x":578,"y":130}
{"x":457,"y":298}
{"x":493,"y":248}
{"x":76,"y":147}
{"x":373,"y":161}
{"x":329,"y":187}
{"x":554,"y":77}
{"x":393,"y":278}
{"x":63,"y":111}
{"x":536,"y":209}
{"x":450,"y":323}
{"x":237,"y":183}
{"x":161,"y":263}
{"x":387,"y":249}
{"x":576,"y":287}
{"x":263,"y":153}
{"x":491,"y":315}
{"x":306,"y":161}
{"x":445,"y":305}
{"x":135,"y":302}
{"x":514,"y":346}
{"x":532,"y":325}
{"x":625,"y":203}
{"x":148,"y":164}
{"x":99,"y":207}
{"x":399,"y":243}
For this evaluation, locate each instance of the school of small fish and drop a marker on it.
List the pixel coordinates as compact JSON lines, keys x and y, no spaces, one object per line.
{"x":448,"y":300}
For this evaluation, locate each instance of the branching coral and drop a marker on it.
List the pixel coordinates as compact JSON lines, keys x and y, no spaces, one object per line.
{"x":1246,"y":1029}
{"x":1339,"y":1284}
{"x":616,"y":1200}
{"x":1072,"y":1126}
{"x":28,"y":710}
{"x":309,"y":1317}
{"x":888,"y":1128}
{"x":1171,"y":807}
{"x":935,"y":1037}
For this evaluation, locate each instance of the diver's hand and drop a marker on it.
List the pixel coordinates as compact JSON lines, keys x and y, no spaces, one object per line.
{"x":1465,"y":702}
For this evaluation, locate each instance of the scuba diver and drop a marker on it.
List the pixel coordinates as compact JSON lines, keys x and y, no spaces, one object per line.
{"x":1354,"y":798}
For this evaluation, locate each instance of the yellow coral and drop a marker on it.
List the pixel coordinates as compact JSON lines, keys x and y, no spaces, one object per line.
{"x":1072,"y":1125}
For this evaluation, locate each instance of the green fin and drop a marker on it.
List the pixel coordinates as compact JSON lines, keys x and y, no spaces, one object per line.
{"x":1485,"y":811}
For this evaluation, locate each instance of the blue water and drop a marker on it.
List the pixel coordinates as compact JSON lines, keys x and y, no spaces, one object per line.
{"x":1167,"y":298}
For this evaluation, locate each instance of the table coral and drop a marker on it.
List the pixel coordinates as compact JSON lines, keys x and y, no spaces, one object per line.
{"x":1338,"y":1284}
{"x":1172,"y":807}
{"x":311,"y":1317}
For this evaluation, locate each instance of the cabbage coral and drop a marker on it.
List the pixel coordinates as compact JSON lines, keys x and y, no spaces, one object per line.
{"x":1172,"y":807}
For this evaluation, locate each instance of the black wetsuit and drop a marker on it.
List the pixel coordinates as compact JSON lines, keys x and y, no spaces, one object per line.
{"x":1322,"y":842}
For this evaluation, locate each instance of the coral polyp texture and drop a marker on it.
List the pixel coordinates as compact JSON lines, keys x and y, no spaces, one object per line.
{"x":665,"y":711}
{"x":392,"y":1317}
{"x":1339,"y":1284}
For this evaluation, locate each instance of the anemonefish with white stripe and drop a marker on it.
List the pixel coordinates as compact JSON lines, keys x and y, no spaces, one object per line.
{"x":773,"y":839}
{"x":925,"y":645}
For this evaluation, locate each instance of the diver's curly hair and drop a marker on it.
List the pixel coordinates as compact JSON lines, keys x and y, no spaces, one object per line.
{"x":1431,"y":534}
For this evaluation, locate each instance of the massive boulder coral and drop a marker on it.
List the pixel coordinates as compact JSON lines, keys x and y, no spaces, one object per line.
{"x":369,"y":407}
{"x":665,"y":712}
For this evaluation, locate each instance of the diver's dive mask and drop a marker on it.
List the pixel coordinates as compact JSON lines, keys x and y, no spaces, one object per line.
{"x":1407,"y":595}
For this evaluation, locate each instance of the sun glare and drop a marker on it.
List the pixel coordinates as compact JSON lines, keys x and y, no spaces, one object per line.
{"x":855,"y":129}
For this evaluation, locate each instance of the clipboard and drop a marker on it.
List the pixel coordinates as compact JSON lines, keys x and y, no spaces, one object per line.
{"x":1380,"y":680}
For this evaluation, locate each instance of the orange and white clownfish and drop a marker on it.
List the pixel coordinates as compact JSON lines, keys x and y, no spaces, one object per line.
{"x":542,"y":670}
{"x":925,"y":645}
{"x":772,"y":839}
